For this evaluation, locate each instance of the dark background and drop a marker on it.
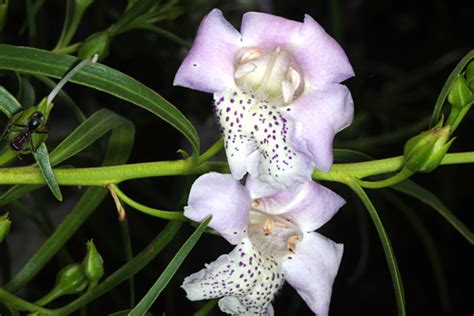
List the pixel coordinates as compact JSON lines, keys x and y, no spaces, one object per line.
{"x":402,"y":53}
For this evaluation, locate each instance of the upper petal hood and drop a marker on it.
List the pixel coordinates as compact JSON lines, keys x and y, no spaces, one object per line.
{"x":225,"y":199}
{"x":209,"y":65}
{"x":309,"y":205}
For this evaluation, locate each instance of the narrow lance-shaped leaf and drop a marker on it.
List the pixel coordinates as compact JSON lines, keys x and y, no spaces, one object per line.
{"x":150,"y":297}
{"x":387,"y":247}
{"x":418,"y":192}
{"x":40,"y":62}
{"x":42,"y":159}
{"x":96,"y":126}
{"x":8,"y":103}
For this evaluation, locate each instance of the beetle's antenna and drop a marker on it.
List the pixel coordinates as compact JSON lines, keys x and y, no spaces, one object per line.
{"x":68,"y":76}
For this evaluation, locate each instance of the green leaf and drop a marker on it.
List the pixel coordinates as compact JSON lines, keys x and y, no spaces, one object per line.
{"x":8,"y":103}
{"x":447,"y":86}
{"x":118,"y":151}
{"x":387,"y":247}
{"x":133,"y":11}
{"x":100,"y":77}
{"x":42,"y":159}
{"x":127,"y":270}
{"x":150,"y":297}
{"x":26,"y":93}
{"x":429,"y":245}
{"x":418,"y":192}
{"x":96,"y":126}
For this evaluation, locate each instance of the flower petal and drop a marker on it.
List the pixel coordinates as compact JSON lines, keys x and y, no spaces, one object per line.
{"x":267,"y":30}
{"x":246,"y":279}
{"x":258,"y":139}
{"x":320,"y":114}
{"x":309,"y":205}
{"x":319,"y":55}
{"x":209,"y":65}
{"x":312,"y":270}
{"x":225,"y":199}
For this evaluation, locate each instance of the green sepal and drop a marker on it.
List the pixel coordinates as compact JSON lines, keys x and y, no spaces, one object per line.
{"x":5,"y":224}
{"x":93,"y":264}
{"x":460,"y":94}
{"x":424,"y":152}
{"x":97,"y":43}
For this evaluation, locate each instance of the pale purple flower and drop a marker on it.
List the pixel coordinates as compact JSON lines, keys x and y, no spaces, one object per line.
{"x":275,"y":241}
{"x":276,"y":90}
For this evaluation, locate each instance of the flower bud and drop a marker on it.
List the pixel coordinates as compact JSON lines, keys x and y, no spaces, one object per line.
{"x":93,"y":264}
{"x":70,"y":280}
{"x":424,"y":152}
{"x":97,"y":43}
{"x":5,"y":224}
{"x":459,"y":94}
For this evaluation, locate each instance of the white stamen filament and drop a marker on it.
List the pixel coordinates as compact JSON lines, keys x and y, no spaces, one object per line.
{"x":269,"y":70}
{"x":68,"y":76}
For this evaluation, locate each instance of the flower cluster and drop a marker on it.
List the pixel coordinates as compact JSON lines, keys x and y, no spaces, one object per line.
{"x":279,"y":103}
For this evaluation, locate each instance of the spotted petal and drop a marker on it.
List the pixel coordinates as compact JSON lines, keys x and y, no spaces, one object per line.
{"x":312,"y":270}
{"x":321,"y":113}
{"x":209,"y":65}
{"x":309,"y":205}
{"x":258,"y":137}
{"x":245,"y":279}
{"x":225,"y":199}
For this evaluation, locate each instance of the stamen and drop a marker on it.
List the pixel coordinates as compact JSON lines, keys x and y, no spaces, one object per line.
{"x":287,"y":91}
{"x":292,"y":243}
{"x":255,"y":203}
{"x":244,"y":69}
{"x":68,"y":76}
{"x":294,"y":77}
{"x":268,"y":227}
{"x":250,"y":55}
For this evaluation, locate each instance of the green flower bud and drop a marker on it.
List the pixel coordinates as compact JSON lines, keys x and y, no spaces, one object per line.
{"x":5,"y":224}
{"x":470,"y":75}
{"x":93,"y":264}
{"x":97,"y":43}
{"x":70,"y":280}
{"x":424,"y":152}
{"x":459,"y":94}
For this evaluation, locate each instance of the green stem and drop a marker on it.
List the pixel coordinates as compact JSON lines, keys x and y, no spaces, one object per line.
{"x":462,"y":113}
{"x":387,"y":247}
{"x":403,"y":174}
{"x":21,"y":304}
{"x":127,"y":245}
{"x":101,"y":176}
{"x":167,"y":34}
{"x":212,"y":151}
{"x":173,"y":216}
